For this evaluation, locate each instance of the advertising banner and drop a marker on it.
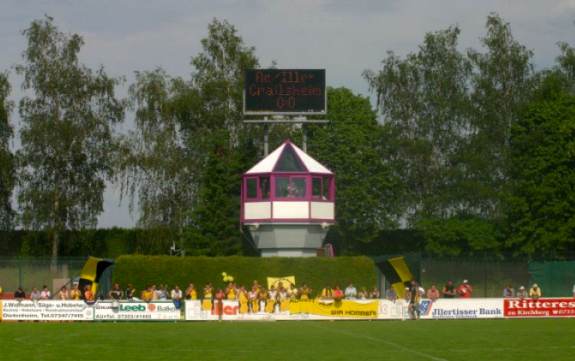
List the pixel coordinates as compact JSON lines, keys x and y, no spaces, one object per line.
{"x":47,"y":310}
{"x":298,"y":310}
{"x":389,"y":310}
{"x":543,"y":307}
{"x":444,"y":308}
{"x":338,"y":309}
{"x":135,"y":311}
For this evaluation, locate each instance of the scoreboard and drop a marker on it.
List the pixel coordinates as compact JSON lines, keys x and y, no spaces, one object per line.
{"x":284,"y":91}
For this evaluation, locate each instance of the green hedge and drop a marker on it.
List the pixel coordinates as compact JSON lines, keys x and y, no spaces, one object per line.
{"x":316,"y":272}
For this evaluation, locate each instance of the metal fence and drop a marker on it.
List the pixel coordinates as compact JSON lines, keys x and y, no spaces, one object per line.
{"x":487,"y":277}
{"x":37,"y":272}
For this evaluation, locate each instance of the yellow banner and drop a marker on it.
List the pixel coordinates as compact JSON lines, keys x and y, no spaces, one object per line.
{"x":287,"y":281}
{"x":343,"y":308}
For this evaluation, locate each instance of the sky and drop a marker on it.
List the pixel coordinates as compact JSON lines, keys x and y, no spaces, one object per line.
{"x":344,"y":37}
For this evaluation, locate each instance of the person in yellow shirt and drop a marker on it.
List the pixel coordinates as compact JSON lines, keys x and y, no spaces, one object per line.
{"x":327,"y":292}
{"x":208,"y":297}
{"x":147,"y":294}
{"x":231,"y":292}
{"x":535,"y":291}
{"x":75,"y":293}
{"x":191,"y":293}
{"x":243,"y":300}
{"x":304,"y":293}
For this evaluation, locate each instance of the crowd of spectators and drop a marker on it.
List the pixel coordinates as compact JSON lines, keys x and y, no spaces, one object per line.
{"x":534,"y":292}
{"x":258,"y":294}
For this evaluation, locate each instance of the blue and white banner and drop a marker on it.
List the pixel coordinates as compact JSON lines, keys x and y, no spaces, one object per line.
{"x":462,"y":308}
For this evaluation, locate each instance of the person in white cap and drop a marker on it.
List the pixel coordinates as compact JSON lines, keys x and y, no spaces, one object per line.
{"x":522,"y":293}
{"x":535,"y":291}
{"x":464,"y":290}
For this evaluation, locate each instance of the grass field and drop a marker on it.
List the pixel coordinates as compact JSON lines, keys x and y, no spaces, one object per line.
{"x":539,"y":339}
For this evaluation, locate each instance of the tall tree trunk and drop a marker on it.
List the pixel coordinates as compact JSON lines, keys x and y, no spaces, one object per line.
{"x":55,"y":247}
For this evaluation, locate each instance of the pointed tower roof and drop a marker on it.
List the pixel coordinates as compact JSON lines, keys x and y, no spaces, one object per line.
{"x":288,"y":158}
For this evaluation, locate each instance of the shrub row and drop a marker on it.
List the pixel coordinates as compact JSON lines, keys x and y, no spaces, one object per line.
{"x":316,"y":272}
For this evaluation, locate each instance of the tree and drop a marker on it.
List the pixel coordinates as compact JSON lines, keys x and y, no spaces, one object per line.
{"x":216,"y":136}
{"x":350,"y":145}
{"x":424,"y":101}
{"x":502,"y":83}
{"x":449,"y":115}
{"x":66,"y":133}
{"x":541,"y":203}
{"x":7,"y":164}
{"x":157,"y":169}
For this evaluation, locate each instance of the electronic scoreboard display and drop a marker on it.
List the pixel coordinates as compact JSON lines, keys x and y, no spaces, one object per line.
{"x":284,"y":91}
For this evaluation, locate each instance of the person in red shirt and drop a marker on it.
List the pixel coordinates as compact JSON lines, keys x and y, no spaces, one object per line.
{"x":465,"y":290}
{"x":433,"y":293}
{"x":220,"y":296}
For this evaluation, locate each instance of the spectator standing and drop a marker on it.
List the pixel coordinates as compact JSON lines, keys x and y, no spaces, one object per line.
{"x":88,"y":294}
{"x":449,"y":290}
{"x":374,"y":294}
{"x":433,"y":293}
{"x":390,"y":295}
{"x":191,"y":293}
{"x":75,"y":293}
{"x":45,"y":294}
{"x":63,"y":294}
{"x":535,"y":291}
{"x":465,"y":290}
{"x":337,"y":293}
{"x":116,"y":292}
{"x":220,"y":296}
{"x":176,"y":296}
{"x":148,"y":294}
{"x":130,"y":292}
{"x":522,"y":293}
{"x":414,"y":299}
{"x":207,"y":301}
{"x":19,"y":294}
{"x":508,"y":292}
{"x":35,"y":295}
{"x":574,"y":290}
{"x":350,"y":292}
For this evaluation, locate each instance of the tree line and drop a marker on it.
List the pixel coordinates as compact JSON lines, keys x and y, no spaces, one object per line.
{"x":471,"y":152}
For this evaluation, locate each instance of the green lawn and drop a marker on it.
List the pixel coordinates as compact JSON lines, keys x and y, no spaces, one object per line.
{"x":539,"y":339}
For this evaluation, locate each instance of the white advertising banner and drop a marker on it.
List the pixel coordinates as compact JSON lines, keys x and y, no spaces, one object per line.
{"x":389,"y":310}
{"x":194,"y":312}
{"x":462,"y":308}
{"x":46,"y":310}
{"x":135,"y":311}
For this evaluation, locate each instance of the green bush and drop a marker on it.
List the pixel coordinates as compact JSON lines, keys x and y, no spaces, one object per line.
{"x":316,"y":272}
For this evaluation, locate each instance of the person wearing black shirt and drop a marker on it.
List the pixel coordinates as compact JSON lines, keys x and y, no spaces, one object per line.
{"x":130,"y":292}
{"x":449,"y":290}
{"x":115,"y":292}
{"x":19,"y":294}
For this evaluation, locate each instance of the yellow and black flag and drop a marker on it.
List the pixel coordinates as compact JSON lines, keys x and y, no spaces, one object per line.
{"x":397,"y":273}
{"x":92,"y":272}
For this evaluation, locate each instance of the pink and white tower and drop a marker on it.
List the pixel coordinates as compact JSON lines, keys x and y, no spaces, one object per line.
{"x":288,"y":203}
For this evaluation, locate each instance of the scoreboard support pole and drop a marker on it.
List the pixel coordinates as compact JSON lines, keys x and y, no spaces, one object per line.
{"x":302,"y":120}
